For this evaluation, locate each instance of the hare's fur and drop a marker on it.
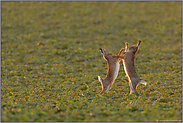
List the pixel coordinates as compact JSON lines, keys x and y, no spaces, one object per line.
{"x":128,"y":58}
{"x":129,"y":67}
{"x":113,"y":68}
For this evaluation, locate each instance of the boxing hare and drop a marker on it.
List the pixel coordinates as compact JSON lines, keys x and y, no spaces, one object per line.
{"x":113,"y":68}
{"x":129,"y":67}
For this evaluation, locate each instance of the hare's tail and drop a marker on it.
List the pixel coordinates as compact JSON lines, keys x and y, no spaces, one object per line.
{"x":143,"y":82}
{"x":100,"y":79}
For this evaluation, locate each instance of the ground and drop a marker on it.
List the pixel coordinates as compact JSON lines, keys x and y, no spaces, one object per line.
{"x":50,"y":60}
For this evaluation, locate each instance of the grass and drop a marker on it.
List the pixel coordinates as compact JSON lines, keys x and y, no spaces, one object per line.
{"x":50,"y":61}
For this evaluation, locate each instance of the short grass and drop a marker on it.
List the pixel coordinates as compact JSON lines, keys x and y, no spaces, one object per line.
{"x":50,"y":61}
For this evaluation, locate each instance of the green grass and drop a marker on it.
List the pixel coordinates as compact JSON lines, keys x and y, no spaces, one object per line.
{"x":50,"y":61}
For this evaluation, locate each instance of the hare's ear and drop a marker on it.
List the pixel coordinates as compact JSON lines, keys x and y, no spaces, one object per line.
{"x":122,"y":49}
{"x":126,"y":46}
{"x":138,"y":43}
{"x":102,"y":51}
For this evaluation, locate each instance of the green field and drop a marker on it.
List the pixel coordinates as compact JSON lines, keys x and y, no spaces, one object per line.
{"x":50,"y":60}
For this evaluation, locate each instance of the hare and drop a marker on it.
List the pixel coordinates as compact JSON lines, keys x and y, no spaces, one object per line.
{"x":129,"y":67}
{"x":113,"y":68}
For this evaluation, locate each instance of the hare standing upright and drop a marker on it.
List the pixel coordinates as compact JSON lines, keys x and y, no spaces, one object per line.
{"x":129,"y":67}
{"x":113,"y":68}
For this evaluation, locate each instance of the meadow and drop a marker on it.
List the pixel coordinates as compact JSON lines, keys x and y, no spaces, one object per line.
{"x":50,"y":60}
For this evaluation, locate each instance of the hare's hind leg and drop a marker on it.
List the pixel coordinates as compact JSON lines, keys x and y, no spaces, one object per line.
{"x":105,"y":89}
{"x":131,"y":87}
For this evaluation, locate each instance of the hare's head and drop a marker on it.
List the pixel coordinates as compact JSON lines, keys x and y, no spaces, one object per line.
{"x":134,"y":49}
{"x":106,"y":55}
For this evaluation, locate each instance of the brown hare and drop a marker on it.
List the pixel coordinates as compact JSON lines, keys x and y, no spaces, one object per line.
{"x":129,"y":67}
{"x":113,"y":68}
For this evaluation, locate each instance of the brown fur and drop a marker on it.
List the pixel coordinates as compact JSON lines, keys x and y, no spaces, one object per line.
{"x":112,"y":61}
{"x":129,"y":66}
